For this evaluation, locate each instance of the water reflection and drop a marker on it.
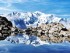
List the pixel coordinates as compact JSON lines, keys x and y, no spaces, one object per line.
{"x":22,"y":38}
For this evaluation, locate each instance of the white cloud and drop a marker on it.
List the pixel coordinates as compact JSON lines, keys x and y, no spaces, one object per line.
{"x":9,"y":4}
{"x":4,"y":10}
{"x":8,"y":7}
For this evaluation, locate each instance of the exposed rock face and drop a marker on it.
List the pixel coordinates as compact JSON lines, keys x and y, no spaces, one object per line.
{"x":5,"y":29}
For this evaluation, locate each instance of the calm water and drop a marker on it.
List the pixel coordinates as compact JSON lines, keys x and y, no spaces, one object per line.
{"x":7,"y":47}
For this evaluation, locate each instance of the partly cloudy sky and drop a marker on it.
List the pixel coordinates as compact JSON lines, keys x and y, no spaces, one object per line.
{"x":58,"y":7}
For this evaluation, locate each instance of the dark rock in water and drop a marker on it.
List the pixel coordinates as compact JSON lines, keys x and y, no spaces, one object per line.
{"x":5,"y":28}
{"x":2,"y":38}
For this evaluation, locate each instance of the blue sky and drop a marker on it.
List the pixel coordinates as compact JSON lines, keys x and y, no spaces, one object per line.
{"x":58,"y":7}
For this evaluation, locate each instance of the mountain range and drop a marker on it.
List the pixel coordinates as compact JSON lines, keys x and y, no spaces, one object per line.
{"x":23,"y":20}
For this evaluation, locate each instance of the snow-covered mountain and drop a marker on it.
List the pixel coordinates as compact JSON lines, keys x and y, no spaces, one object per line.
{"x":23,"y":20}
